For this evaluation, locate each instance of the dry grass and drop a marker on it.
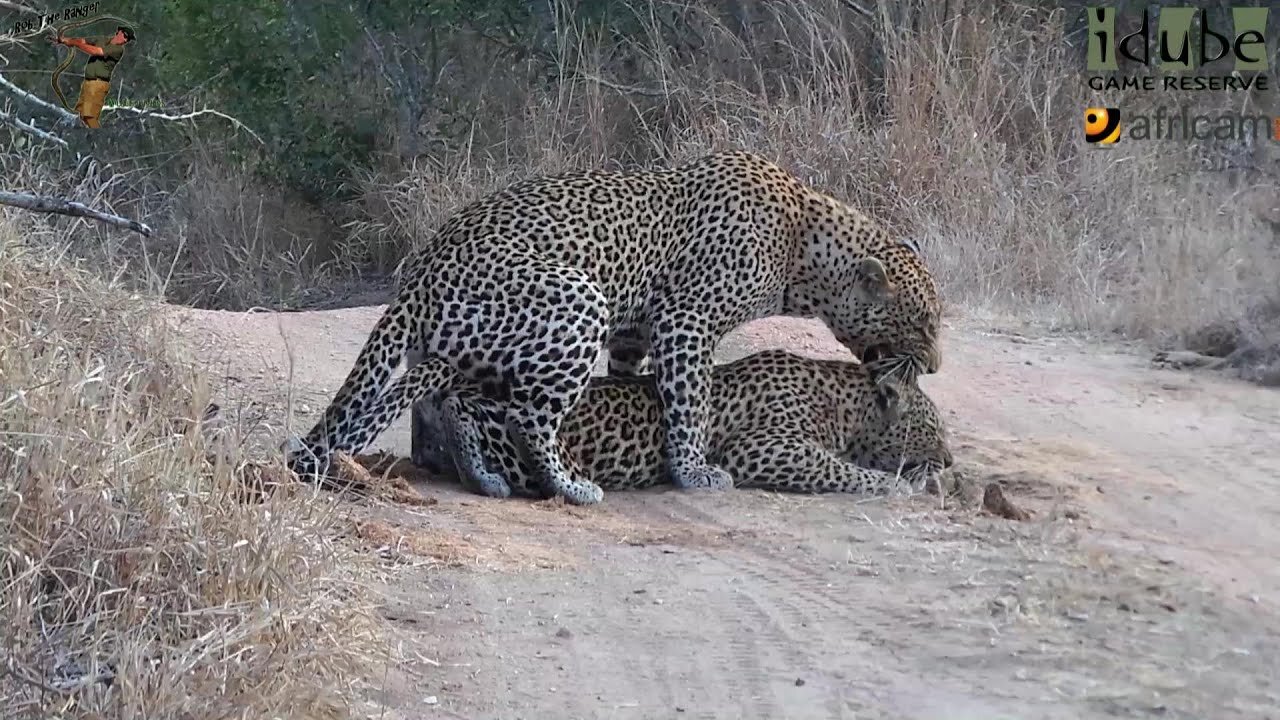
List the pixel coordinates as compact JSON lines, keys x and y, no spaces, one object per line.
{"x":962,"y":131}
{"x":958,"y":124}
{"x":225,"y":239}
{"x":133,"y":583}
{"x":235,"y":241}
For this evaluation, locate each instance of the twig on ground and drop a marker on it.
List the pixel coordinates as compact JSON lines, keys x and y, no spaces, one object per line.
{"x":143,"y":114}
{"x":37,"y":203}
{"x":31,"y":129}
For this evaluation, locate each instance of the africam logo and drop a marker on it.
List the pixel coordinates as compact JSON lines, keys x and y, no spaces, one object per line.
{"x":1102,"y":126}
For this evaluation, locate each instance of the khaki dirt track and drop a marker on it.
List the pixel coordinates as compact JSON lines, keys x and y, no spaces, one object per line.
{"x":1146,"y":583}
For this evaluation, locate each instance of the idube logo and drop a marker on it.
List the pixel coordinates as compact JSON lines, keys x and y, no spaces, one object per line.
{"x":1193,"y":48}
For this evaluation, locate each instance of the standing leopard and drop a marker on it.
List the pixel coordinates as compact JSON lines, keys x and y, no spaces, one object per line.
{"x":519,"y":291}
{"x":778,"y":421}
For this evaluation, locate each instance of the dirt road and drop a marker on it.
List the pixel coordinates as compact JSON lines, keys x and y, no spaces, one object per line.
{"x":1147,"y":583}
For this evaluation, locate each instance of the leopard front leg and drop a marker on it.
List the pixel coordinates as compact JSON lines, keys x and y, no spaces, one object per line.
{"x":425,"y":424}
{"x":534,"y":426}
{"x":427,"y":447}
{"x":488,"y":454}
{"x":770,"y":461}
{"x":471,"y":428}
{"x":682,"y":354}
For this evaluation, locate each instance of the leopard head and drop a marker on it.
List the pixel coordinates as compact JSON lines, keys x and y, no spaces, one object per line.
{"x":903,"y":431}
{"x":883,"y":305}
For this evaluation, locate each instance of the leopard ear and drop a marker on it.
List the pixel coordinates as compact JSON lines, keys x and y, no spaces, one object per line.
{"x":889,"y":400}
{"x":871,"y":281}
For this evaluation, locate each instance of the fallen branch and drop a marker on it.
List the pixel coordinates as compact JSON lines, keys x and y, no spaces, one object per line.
{"x":31,"y":129}
{"x":1183,"y":359}
{"x":66,"y":117}
{"x":37,"y":203}
{"x":144,"y":114}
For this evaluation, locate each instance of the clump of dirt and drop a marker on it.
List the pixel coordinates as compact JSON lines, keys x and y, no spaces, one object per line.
{"x":388,"y":477}
{"x":557,"y":504}
{"x":995,"y":502}
{"x":1016,"y":481}
{"x":375,"y":476}
{"x":365,"y":475}
{"x":391,"y":466}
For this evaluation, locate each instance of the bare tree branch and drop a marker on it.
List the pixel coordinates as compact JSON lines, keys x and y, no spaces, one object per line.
{"x":31,"y":129}
{"x":18,"y":7}
{"x":630,"y":89}
{"x":37,"y":203}
{"x":72,"y":118}
{"x":858,"y":9}
{"x":66,"y":117}
{"x":144,"y":114}
{"x":406,"y":85}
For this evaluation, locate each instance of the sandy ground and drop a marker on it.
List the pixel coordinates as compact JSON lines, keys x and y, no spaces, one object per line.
{"x":1146,"y":583}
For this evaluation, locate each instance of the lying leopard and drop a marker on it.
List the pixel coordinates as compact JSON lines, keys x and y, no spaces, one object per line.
{"x":778,"y":421}
{"x":519,"y":291}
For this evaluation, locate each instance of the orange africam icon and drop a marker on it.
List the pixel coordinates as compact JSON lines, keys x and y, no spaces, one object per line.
{"x":1101,"y":125}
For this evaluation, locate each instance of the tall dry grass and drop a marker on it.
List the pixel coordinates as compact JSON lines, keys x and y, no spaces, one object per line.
{"x":234,"y":241}
{"x":134,"y":582}
{"x":955,"y":123}
{"x":224,"y":237}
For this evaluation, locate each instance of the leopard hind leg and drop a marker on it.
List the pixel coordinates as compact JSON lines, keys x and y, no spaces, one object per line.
{"x":537,"y":334}
{"x":419,"y":382}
